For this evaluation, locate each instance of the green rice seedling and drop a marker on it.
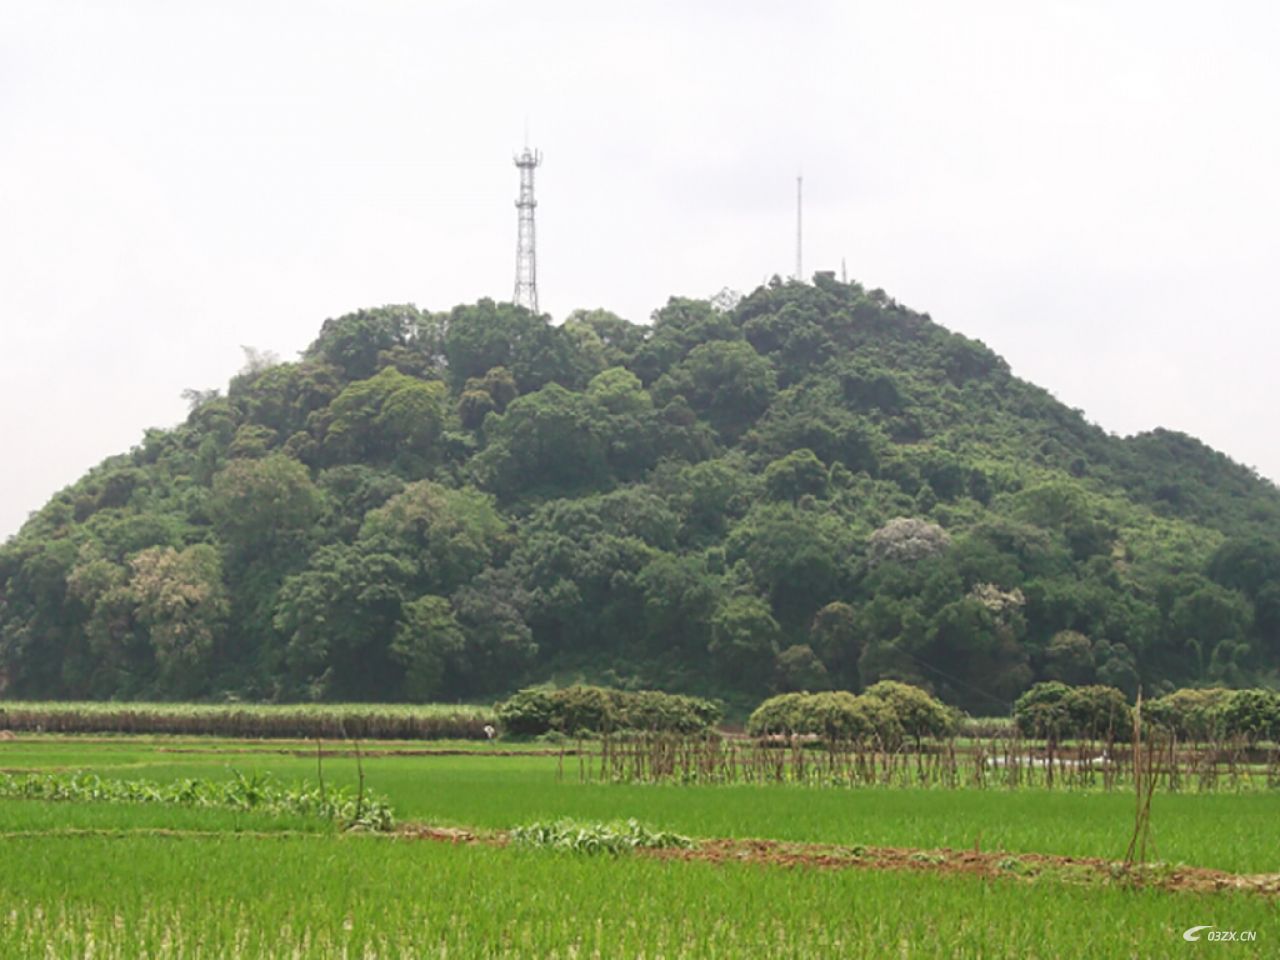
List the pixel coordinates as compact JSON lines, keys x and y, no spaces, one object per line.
{"x":1226,"y":830}
{"x":363,"y":896}
{"x":40,"y":817}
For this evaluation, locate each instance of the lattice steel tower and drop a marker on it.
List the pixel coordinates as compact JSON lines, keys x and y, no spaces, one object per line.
{"x":526,"y":246}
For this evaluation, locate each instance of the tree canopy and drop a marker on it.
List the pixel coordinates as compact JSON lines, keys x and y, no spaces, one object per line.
{"x":809,"y":488}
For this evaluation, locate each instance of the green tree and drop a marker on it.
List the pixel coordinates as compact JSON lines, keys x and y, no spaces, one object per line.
{"x":744,"y":640}
{"x":680,"y":598}
{"x":836,"y":637}
{"x":796,"y":558}
{"x":339,"y":616}
{"x":484,"y":395}
{"x":355,"y":342}
{"x":1251,"y":714}
{"x":546,"y":441}
{"x":183,"y":605}
{"x":708,"y":496}
{"x":602,"y":339}
{"x":1043,"y":712}
{"x":918,"y":713}
{"x":99,"y":598}
{"x":426,"y":642}
{"x":1246,"y":564}
{"x":727,"y":382}
{"x":389,"y":418}
{"x":1069,"y":658}
{"x":487,"y":335}
{"x":800,"y":669}
{"x":500,"y":645}
{"x":264,"y":506}
{"x":449,"y":536}
{"x":284,"y":396}
{"x":678,"y":328}
{"x":979,"y":660}
{"x":1208,"y":619}
{"x":798,"y":474}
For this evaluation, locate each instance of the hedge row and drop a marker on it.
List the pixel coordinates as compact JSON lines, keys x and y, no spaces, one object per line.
{"x":587,"y":709}
{"x":1216,"y":714}
{"x":1055,"y":711}
{"x":364,"y":722}
{"x":887,"y":712}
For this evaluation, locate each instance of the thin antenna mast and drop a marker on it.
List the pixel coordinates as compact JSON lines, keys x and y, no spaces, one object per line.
{"x":799,"y":229}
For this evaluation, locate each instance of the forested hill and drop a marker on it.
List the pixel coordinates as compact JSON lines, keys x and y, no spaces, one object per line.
{"x":812,"y":487}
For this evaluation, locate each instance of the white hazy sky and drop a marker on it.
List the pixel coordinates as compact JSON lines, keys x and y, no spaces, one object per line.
{"x":1090,"y":188}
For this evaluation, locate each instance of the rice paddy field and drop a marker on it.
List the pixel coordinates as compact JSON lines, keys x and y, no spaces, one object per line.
{"x":778,"y":871}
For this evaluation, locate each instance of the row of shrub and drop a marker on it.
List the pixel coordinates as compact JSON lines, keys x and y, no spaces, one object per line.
{"x":583,"y":709}
{"x":1216,"y":714}
{"x":1054,"y":711}
{"x":336,"y":722}
{"x":887,"y":712}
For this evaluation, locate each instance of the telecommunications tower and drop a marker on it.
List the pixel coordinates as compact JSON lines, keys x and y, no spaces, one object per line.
{"x":526,"y":247}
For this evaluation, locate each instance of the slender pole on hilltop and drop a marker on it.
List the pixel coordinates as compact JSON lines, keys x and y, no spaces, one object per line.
{"x":799,"y":278}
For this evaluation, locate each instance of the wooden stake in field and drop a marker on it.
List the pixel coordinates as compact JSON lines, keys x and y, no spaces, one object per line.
{"x":1144,"y":783}
{"x":319,"y":769}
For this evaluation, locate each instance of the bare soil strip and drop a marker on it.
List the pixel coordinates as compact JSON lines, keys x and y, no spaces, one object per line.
{"x":1026,"y":866}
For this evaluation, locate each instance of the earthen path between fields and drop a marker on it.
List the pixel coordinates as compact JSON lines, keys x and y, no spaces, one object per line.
{"x":1028,"y":867}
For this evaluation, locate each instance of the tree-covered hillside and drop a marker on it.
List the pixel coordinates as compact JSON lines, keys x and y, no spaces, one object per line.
{"x":814,"y":487}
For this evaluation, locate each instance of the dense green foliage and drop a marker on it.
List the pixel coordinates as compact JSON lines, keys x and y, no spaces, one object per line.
{"x":1189,"y":714}
{"x":884,"y":714}
{"x":1054,"y":711}
{"x":815,"y":489}
{"x":582,"y":709}
{"x":833,"y":716}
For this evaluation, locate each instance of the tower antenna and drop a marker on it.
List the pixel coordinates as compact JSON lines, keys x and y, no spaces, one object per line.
{"x":526,"y":294}
{"x":799,"y":230}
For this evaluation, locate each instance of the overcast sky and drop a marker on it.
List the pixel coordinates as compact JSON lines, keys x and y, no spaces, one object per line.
{"x":1090,"y":188}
